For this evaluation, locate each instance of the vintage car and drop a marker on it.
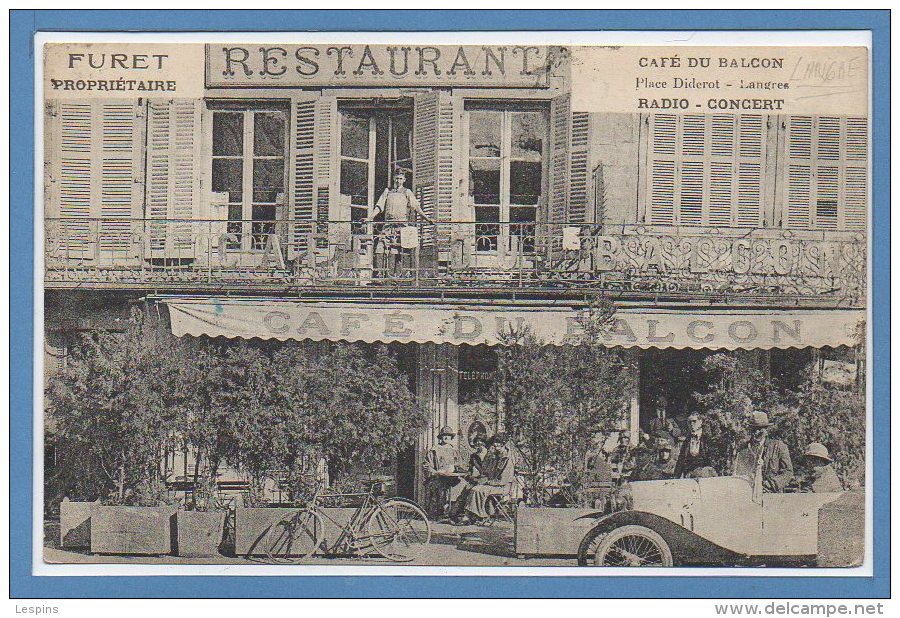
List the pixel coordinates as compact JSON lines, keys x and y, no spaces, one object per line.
{"x":705,"y":521}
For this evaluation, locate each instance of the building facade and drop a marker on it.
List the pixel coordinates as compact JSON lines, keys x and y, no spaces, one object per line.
{"x":249,"y":213}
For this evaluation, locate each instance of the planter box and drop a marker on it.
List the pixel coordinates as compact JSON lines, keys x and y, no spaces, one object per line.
{"x":252,"y":524}
{"x":198,"y":533}
{"x":842,"y":531}
{"x":134,"y":530}
{"x":75,"y":523}
{"x":545,"y":531}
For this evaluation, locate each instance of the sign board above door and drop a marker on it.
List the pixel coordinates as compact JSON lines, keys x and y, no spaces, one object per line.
{"x":297,"y":66}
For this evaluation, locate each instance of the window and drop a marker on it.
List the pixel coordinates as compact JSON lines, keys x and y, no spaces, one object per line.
{"x":826,"y":174}
{"x":706,"y":170}
{"x":507,"y":175}
{"x":373,"y":143}
{"x":248,"y":165}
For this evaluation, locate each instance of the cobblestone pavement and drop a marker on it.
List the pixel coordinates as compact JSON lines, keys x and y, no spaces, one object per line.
{"x":450,"y":546}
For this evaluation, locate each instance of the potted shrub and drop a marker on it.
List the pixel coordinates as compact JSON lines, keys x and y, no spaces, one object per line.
{"x":110,"y":415}
{"x":200,"y":526}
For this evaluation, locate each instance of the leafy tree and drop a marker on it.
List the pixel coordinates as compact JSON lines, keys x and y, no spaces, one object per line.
{"x":222,"y":388}
{"x":351,"y":404}
{"x":735,"y":390}
{"x":814,"y":412}
{"x":108,"y":413}
{"x":835,"y":417}
{"x":556,"y":397}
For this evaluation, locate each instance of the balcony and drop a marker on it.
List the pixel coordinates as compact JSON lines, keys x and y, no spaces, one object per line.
{"x":722,"y":264}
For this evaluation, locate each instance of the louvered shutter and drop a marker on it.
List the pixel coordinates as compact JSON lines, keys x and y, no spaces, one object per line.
{"x":70,"y":174}
{"x":560,"y":147}
{"x":425,"y":156}
{"x":750,"y":157}
{"x":173,"y":179}
{"x":663,"y":146}
{"x":826,"y":183}
{"x":720,"y":200}
{"x":434,"y":134}
{"x":302,"y":171}
{"x":799,"y":172}
{"x":856,"y":173}
{"x":326,"y":169}
{"x":96,"y":178}
{"x":691,"y":169}
{"x":578,"y":168}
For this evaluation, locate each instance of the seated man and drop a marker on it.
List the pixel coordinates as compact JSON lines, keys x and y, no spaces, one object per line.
{"x":495,"y":479}
{"x":763,"y":454}
{"x":443,"y":485}
{"x":818,"y":472}
{"x":661,"y":466}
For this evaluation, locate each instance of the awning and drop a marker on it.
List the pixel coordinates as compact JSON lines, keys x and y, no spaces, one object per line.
{"x":485,"y":324}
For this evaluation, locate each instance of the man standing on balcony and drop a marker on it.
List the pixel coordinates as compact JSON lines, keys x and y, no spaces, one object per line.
{"x":399,"y":205}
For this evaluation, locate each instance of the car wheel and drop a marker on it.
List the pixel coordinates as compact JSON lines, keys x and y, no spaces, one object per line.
{"x":589,"y":545}
{"x":633,"y":546}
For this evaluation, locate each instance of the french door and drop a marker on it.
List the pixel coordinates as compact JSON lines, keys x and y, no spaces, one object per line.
{"x":373,"y":143}
{"x":249,"y":151}
{"x":507,"y":160}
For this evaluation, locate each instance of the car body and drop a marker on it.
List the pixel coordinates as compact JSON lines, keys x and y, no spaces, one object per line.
{"x":715,"y":520}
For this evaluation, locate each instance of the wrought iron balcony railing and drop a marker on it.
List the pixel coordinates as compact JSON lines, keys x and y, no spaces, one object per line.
{"x":630,"y":258}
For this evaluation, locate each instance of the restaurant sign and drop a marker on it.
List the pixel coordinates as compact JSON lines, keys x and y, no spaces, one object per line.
{"x":642,"y":328}
{"x":297,"y":66}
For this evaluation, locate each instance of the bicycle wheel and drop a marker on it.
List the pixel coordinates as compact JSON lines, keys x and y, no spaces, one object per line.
{"x":396,"y":528}
{"x":295,"y":536}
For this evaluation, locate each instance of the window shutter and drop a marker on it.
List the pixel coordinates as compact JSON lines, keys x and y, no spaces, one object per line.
{"x":325,"y":161}
{"x":826,"y":184}
{"x":578,"y":168}
{"x":434,"y":133}
{"x":173,"y":181}
{"x":856,"y":173}
{"x":560,"y":146}
{"x":750,"y":157}
{"x":71,"y":173}
{"x":799,"y":183}
{"x":663,"y":147}
{"x":446,"y":132}
{"x":302,"y":175}
{"x":433,"y":162}
{"x":98,"y":174}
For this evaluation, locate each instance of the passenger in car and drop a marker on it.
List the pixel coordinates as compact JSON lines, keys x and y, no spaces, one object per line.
{"x":818,"y":471}
{"x":693,"y":457}
{"x":764,"y":455}
{"x":662,"y":465}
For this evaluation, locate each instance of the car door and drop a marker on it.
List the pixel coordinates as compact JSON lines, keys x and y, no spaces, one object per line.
{"x":724,"y":513}
{"x":791,"y":523}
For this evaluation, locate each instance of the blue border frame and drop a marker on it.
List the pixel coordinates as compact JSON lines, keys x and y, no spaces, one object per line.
{"x":23,"y":25}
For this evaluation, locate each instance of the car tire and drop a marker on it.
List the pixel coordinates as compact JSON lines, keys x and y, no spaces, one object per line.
{"x":629,"y":546}
{"x":589,"y":545}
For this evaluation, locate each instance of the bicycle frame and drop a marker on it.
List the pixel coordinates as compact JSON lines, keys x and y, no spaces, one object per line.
{"x":352,"y":536}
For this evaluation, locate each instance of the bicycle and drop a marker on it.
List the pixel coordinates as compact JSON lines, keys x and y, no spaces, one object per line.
{"x":392,"y":528}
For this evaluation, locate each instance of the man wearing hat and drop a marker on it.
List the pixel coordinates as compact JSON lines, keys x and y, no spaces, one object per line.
{"x":660,"y":465}
{"x":764,"y":456}
{"x":693,"y":457}
{"x":443,"y":483}
{"x":818,"y":472}
{"x":662,"y":421}
{"x":497,"y":475}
